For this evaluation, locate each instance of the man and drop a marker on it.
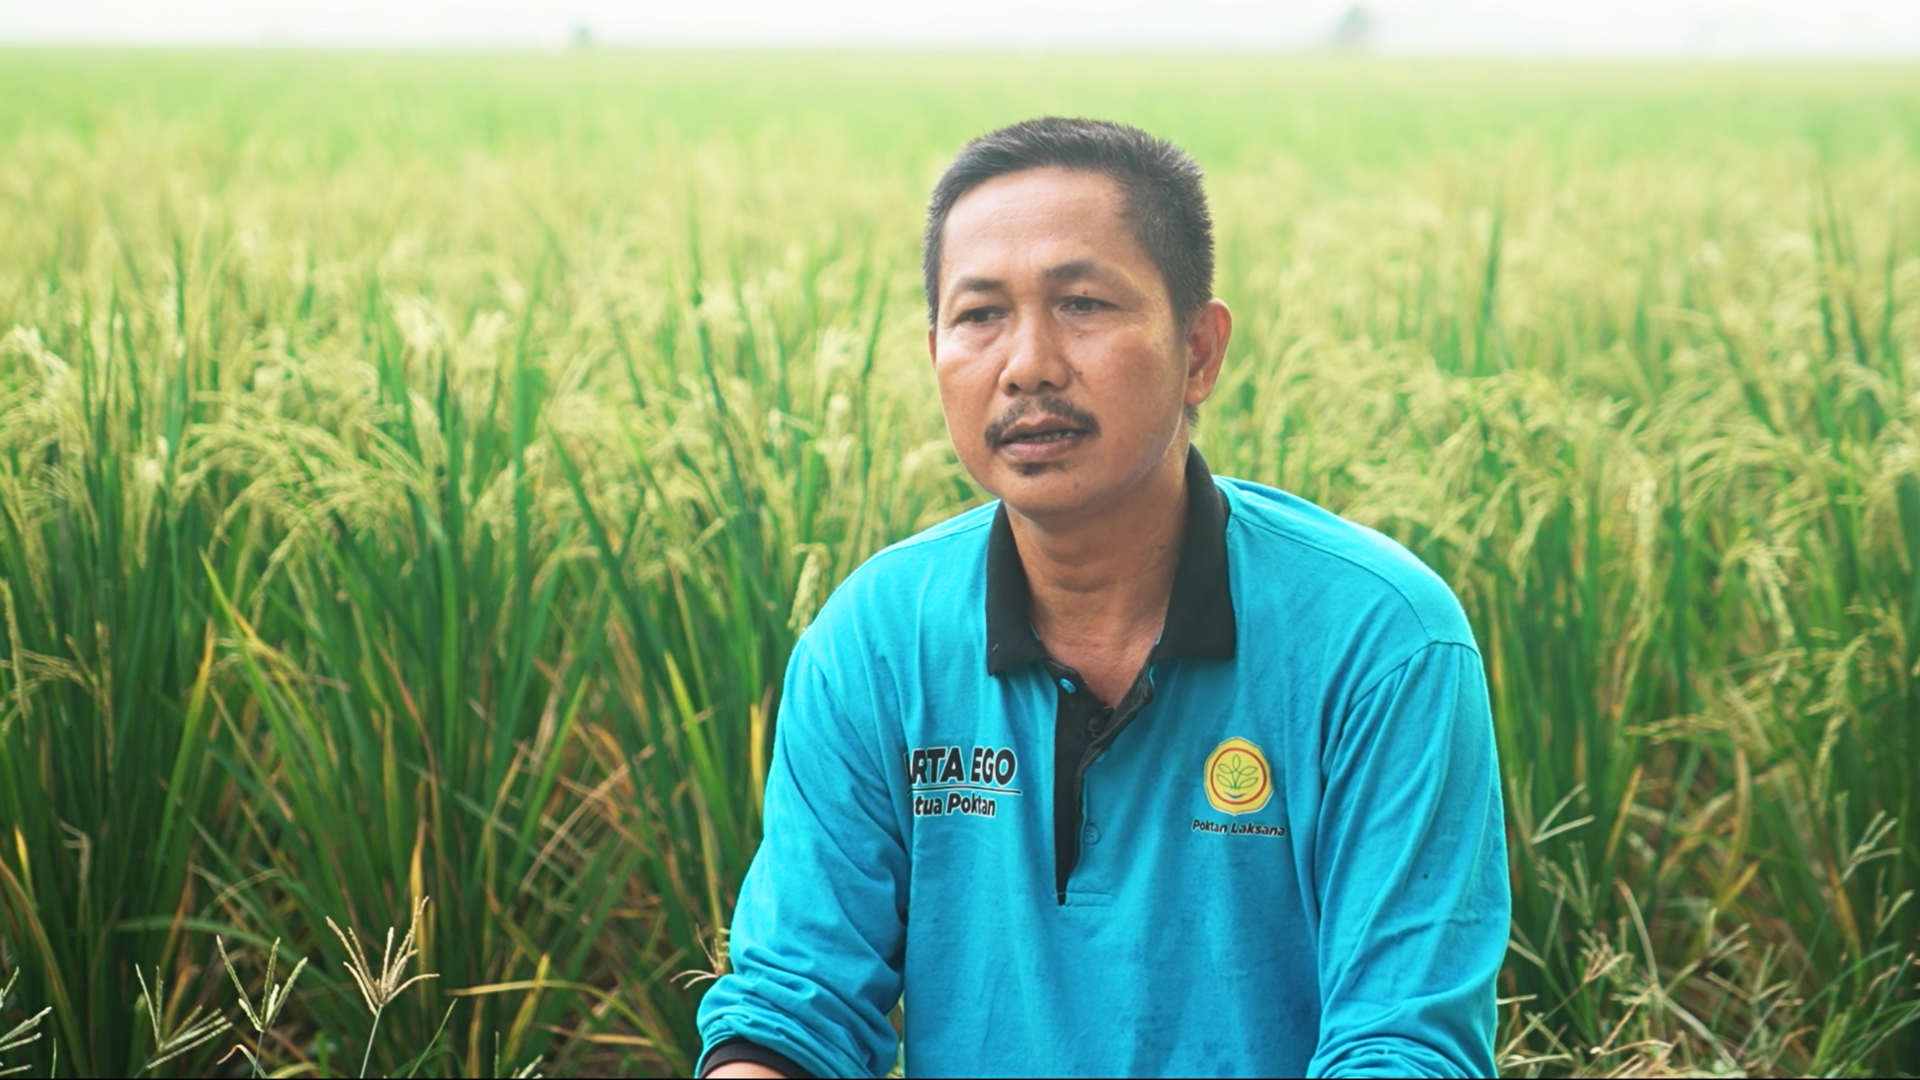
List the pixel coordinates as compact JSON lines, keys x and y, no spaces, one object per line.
{"x":1135,"y":771}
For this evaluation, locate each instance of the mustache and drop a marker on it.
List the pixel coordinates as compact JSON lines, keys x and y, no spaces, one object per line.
{"x":1057,"y":408}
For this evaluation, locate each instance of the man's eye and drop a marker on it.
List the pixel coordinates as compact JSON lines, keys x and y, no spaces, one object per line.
{"x":977,"y":315}
{"x":1083,"y":304}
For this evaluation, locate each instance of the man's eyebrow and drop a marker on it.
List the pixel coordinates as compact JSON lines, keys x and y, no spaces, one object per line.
{"x":1074,"y":270}
{"x":977,"y":284}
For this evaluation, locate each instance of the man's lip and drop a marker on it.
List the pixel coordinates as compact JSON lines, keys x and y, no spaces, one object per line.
{"x":1022,"y":434}
{"x":1022,"y":428}
{"x":1029,"y":449}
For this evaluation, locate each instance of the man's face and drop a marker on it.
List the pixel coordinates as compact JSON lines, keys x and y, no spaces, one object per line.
{"x":1062,"y":368}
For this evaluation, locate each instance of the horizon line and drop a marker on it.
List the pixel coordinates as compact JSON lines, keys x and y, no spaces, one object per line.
{"x":563,"y":48}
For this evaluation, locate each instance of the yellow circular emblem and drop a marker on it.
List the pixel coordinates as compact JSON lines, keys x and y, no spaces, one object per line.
{"x":1237,"y":778}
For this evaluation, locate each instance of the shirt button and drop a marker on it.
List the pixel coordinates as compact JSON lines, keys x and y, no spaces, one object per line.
{"x":1090,"y":834}
{"x":1066,"y":686}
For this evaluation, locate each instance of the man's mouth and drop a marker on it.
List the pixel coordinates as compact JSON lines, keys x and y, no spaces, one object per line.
{"x":1035,"y":423}
{"x":1042,"y":436}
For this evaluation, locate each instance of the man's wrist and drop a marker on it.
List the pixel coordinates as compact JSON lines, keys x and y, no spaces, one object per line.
{"x":744,"y":1070}
{"x":740,"y":1058}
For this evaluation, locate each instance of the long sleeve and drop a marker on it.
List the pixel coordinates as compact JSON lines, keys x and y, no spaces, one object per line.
{"x":818,"y":935}
{"x":1411,"y":874}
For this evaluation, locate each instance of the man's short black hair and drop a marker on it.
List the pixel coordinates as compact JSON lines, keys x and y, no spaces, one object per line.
{"x":1159,"y":181}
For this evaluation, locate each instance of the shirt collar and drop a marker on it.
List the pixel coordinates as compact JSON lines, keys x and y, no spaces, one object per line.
{"x":1200,"y":623}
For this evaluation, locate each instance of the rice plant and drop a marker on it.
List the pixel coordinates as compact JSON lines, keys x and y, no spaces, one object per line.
{"x":380,"y":987}
{"x":172,"y":1038}
{"x":273,"y":998}
{"x":25,"y":1032}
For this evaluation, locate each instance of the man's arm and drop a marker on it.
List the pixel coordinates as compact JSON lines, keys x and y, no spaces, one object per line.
{"x":819,"y":931}
{"x":1411,"y":873}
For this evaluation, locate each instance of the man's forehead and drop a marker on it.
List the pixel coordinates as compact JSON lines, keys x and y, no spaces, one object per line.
{"x":1065,"y":225}
{"x":1056,"y":195}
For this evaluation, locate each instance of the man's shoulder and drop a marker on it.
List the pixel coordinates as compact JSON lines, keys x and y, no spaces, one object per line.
{"x":931,"y":572}
{"x":938,"y":550}
{"x":1361,"y":572}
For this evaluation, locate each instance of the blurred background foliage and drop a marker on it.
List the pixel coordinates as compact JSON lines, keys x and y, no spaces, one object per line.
{"x":414,"y":470}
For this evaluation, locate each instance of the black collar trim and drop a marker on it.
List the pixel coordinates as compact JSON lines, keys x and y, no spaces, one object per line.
{"x":1200,"y":622}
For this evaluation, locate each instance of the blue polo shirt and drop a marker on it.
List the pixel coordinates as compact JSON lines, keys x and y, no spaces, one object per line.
{"x":1281,"y":854}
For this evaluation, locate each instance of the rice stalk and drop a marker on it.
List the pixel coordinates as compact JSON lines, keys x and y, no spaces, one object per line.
{"x":26,"y":1031}
{"x":273,"y":998}
{"x":197,"y":1029}
{"x":379,"y":987}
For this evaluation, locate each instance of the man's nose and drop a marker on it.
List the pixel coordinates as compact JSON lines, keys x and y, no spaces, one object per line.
{"x":1036,"y":361}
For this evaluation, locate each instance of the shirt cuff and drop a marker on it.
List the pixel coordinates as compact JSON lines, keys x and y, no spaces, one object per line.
{"x":732,"y":1050}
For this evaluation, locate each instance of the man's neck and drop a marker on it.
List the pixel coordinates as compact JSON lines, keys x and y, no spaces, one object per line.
{"x":1100,"y":583}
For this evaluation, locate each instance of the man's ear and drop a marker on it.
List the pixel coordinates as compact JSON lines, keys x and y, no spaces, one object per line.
{"x":932,"y":337}
{"x":1207,"y":336}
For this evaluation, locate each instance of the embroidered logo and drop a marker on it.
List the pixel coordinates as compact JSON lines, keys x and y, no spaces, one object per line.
{"x":1238,"y":779}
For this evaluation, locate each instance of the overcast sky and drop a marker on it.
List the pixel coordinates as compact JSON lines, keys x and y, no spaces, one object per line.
{"x":1722,"y":28}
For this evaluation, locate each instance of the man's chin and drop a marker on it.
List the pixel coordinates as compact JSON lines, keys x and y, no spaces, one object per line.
{"x":1041,"y":490}
{"x":1033,"y":470}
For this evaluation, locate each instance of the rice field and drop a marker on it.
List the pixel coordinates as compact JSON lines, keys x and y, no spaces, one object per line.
{"x":414,"y":470}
